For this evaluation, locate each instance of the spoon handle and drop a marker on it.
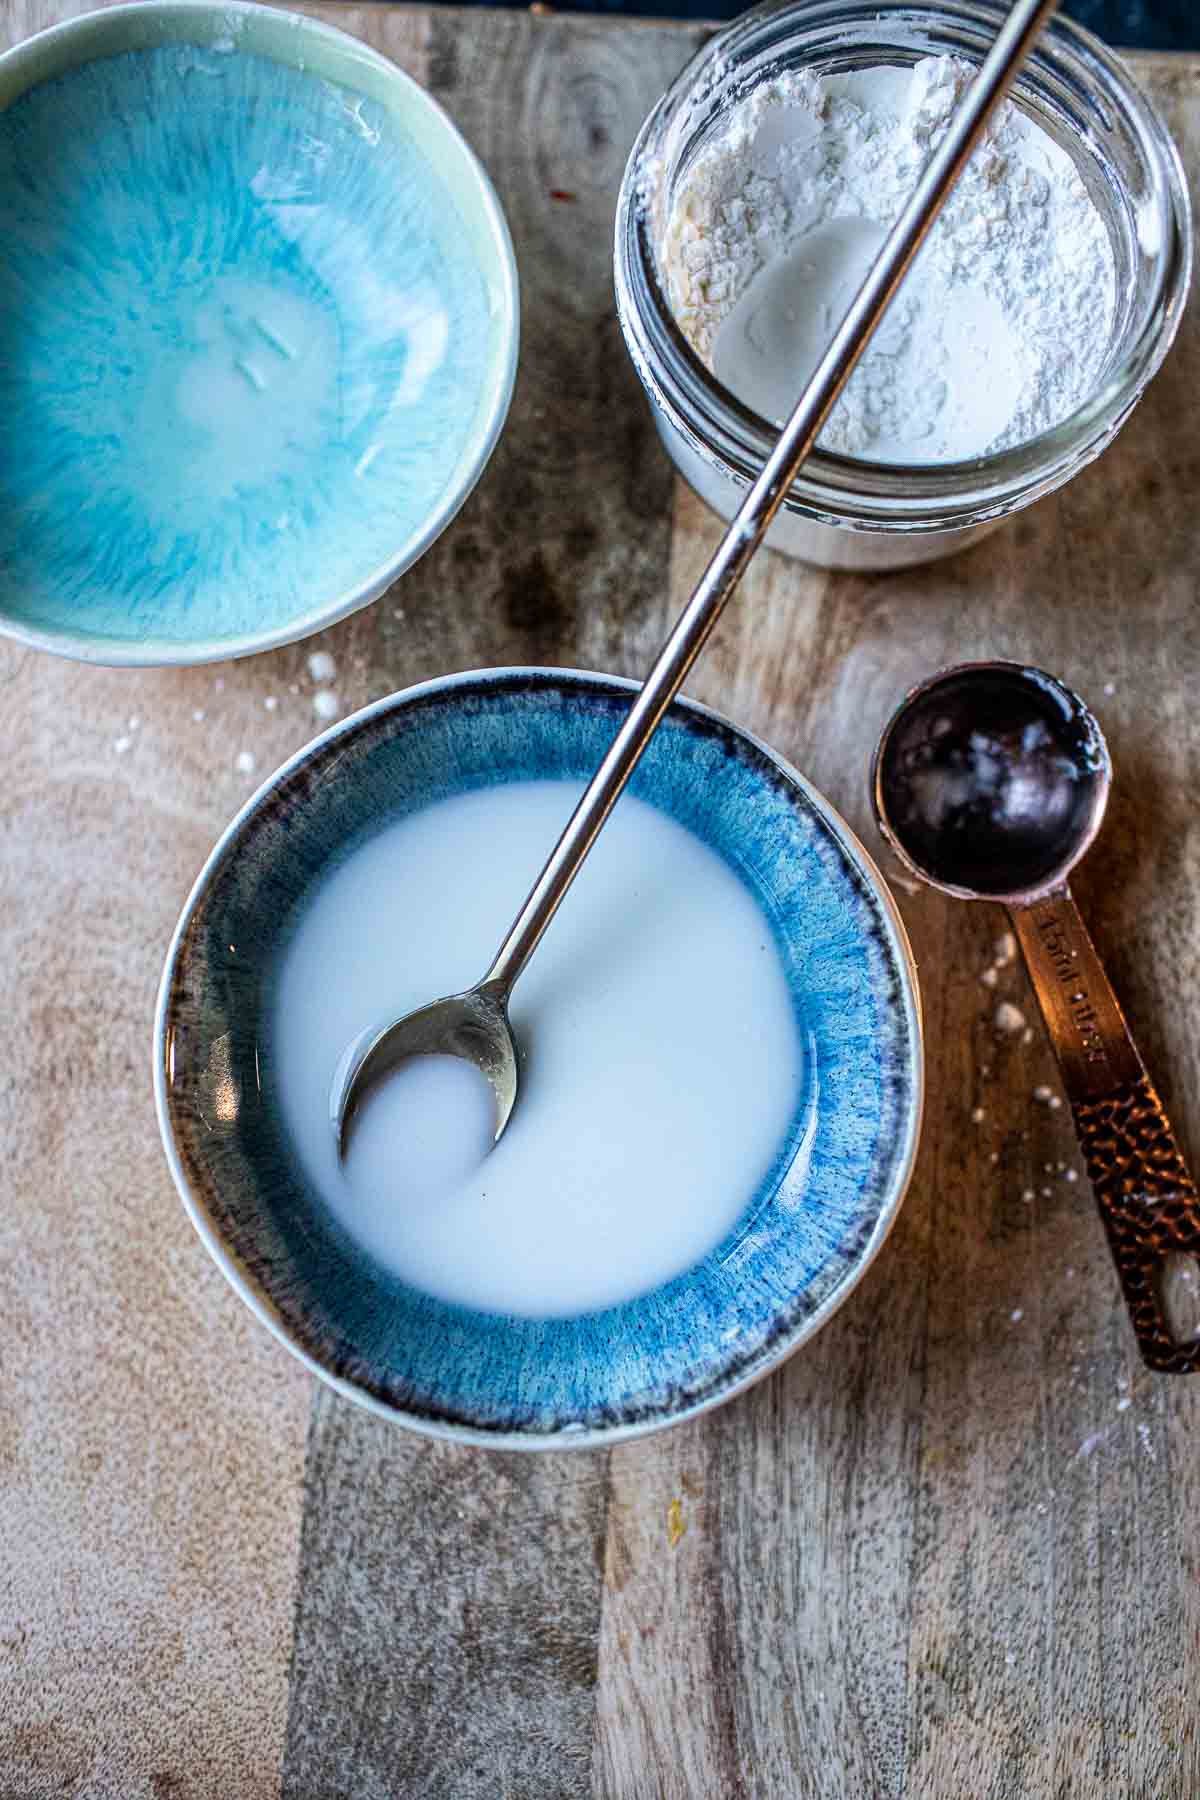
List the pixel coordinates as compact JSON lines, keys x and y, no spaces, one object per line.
{"x":1146,"y":1197}
{"x":766,"y":496}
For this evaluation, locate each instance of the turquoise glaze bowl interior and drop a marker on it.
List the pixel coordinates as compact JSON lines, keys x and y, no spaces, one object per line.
{"x":258,"y":330}
{"x":801,"y":1243}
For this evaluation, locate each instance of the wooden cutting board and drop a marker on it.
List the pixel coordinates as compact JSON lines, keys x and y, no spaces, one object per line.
{"x":951,"y":1549}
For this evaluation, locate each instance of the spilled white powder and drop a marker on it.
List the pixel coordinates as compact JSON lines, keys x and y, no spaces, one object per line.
{"x":1008,"y":1019}
{"x":326,"y":704}
{"x":1001,"y":327}
{"x":321,"y":666}
{"x":1004,"y":953}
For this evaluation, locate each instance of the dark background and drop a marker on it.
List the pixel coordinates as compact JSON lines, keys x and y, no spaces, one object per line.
{"x":1148,"y":24}
{"x":1151,"y":24}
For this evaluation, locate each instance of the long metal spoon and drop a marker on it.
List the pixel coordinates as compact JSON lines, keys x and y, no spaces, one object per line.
{"x":475,"y":1024}
{"x":990,"y":783}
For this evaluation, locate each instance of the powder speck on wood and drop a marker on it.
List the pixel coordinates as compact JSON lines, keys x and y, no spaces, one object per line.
{"x":1009,"y":1019}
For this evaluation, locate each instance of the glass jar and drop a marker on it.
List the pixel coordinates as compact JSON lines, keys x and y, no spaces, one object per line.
{"x":842,"y":512}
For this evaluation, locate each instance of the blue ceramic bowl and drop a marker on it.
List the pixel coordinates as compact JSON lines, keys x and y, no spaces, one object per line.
{"x":258,"y":330}
{"x":801,"y":1243}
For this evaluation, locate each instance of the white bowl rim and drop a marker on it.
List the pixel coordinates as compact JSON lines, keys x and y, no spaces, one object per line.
{"x":570,"y":1437}
{"x":173,"y":652}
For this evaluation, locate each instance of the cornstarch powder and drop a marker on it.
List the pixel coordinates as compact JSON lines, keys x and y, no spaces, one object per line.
{"x":1003,"y":324}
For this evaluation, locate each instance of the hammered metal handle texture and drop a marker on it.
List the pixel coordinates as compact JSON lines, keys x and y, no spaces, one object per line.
{"x":1149,"y":1205}
{"x":1146,"y":1197}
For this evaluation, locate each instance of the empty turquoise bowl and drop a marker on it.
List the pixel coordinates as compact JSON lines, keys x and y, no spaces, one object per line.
{"x":258,"y":330}
{"x":803,"y":1238}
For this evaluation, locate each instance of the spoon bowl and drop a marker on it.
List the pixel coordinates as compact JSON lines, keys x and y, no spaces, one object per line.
{"x":473,"y":1026}
{"x":989,"y":783}
{"x":992,"y":781}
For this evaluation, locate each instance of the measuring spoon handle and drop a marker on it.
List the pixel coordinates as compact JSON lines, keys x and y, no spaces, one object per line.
{"x":1147,"y":1198}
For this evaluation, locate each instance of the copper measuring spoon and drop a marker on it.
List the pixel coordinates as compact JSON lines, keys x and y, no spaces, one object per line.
{"x":989,"y":783}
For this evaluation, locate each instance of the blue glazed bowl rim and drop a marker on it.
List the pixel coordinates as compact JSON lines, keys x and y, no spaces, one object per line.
{"x":103,"y":24}
{"x":260,"y":1302}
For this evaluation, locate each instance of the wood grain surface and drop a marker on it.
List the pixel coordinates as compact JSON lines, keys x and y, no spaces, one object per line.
{"x":951,"y":1548}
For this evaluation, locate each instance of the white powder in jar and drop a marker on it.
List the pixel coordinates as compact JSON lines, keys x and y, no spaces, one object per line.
{"x":1000,"y":329}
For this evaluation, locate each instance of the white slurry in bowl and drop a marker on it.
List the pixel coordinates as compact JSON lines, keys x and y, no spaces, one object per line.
{"x":661,"y":1074}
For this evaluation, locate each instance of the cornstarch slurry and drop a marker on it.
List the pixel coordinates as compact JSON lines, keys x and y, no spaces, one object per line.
{"x":1001,"y":327}
{"x":655,"y":1100}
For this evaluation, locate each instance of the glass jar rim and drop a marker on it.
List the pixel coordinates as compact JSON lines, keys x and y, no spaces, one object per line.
{"x":892,"y":496}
